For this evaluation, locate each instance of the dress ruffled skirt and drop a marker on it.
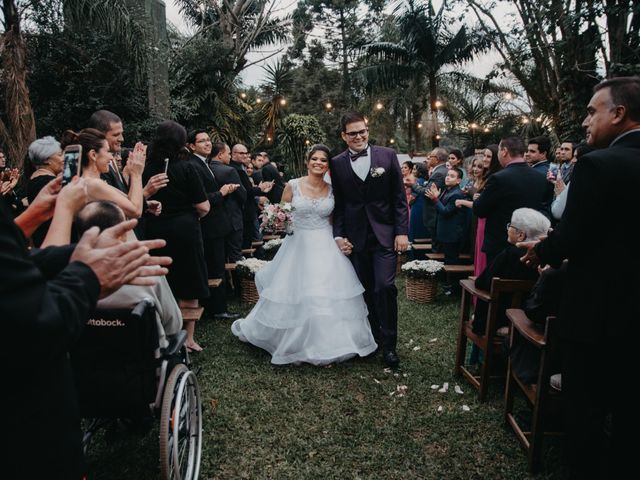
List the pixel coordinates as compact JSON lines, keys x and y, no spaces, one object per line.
{"x":311,"y":308}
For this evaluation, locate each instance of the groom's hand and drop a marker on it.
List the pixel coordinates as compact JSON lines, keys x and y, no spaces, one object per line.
{"x":401,"y":243}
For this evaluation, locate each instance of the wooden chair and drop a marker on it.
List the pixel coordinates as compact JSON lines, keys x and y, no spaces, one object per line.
{"x":421,"y":240}
{"x":191,"y":314}
{"x":488,"y":343}
{"x":214,"y":282}
{"x":440,"y":256}
{"x":248,"y":252}
{"x":539,"y":395}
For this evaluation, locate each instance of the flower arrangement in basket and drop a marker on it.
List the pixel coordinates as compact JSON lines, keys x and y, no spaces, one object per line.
{"x":247,"y":270}
{"x":421,"y":279}
{"x":277,"y":218}
{"x":271,"y":247}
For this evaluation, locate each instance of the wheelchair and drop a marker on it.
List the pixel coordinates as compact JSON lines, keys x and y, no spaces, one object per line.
{"x":121,"y":373}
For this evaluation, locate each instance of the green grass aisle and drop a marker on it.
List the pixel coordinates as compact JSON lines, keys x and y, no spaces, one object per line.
{"x":341,"y":421}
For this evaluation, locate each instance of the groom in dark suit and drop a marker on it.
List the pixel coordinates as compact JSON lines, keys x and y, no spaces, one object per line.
{"x":370,"y":224}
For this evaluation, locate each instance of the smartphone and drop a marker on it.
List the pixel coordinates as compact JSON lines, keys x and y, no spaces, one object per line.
{"x":72,"y":163}
{"x":166,"y":165}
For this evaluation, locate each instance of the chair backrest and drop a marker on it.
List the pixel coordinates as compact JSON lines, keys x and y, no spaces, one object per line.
{"x":115,"y":360}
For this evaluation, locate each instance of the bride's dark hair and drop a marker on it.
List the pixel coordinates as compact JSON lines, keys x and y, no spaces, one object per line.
{"x":318,"y":147}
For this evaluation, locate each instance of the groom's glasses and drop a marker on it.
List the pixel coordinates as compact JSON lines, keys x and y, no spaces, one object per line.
{"x":362,"y":133}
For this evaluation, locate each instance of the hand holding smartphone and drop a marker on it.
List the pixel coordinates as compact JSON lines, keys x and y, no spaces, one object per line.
{"x":72,"y":165}
{"x":166,"y":165}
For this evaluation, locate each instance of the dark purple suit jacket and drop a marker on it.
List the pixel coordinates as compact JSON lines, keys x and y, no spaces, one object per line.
{"x":378,"y":201}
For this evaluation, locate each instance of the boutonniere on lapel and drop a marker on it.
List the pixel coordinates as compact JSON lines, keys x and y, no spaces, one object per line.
{"x":376,"y":172}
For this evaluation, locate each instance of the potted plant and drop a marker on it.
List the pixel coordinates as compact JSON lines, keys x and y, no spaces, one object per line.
{"x":247,"y":270}
{"x":421,"y":283}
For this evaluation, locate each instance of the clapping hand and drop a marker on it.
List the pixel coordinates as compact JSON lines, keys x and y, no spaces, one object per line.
{"x":228,"y":188}
{"x":266,"y":186}
{"x":531,"y":258}
{"x":433,"y":192}
{"x":117,"y":263}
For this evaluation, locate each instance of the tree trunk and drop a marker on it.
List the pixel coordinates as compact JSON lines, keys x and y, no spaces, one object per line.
{"x":433,"y":98}
{"x":20,"y":129}
{"x":346,"y":83}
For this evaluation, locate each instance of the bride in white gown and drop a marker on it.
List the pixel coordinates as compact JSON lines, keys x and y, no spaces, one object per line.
{"x":311,"y":307}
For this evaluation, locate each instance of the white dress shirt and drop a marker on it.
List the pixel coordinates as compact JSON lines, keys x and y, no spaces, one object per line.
{"x":362,"y":165}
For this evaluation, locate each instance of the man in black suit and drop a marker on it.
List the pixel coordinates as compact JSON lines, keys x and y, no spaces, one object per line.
{"x":271,"y":174}
{"x":226,"y":175}
{"x":515,"y":186}
{"x":239,"y":155}
{"x":216,"y":225}
{"x":599,"y":312}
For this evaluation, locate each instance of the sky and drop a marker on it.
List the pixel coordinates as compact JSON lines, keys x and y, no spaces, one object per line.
{"x":253,"y":75}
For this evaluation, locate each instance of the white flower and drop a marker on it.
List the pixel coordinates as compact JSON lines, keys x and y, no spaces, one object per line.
{"x":423,"y":267}
{"x":274,"y":243}
{"x":252,"y":264}
{"x":377,"y":172}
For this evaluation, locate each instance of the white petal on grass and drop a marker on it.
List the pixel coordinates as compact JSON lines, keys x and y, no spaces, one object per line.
{"x":415,"y":349}
{"x":401,"y":390}
{"x":377,"y":381}
{"x":435,"y":387}
{"x":465,"y":408}
{"x":405,"y":375}
{"x":440,"y":409}
{"x":387,"y":370}
{"x":444,"y":388}
{"x":458,"y":390}
{"x":433,"y":340}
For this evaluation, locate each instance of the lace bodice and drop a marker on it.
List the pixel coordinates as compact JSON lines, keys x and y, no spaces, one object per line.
{"x":310,"y":213}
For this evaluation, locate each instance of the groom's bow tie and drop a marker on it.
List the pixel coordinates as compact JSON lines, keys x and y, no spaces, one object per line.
{"x":355,"y":156}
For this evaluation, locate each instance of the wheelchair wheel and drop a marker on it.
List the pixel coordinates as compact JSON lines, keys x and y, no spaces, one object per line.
{"x":181,"y":426}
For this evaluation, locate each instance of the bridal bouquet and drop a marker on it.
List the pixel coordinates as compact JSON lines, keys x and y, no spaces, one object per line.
{"x":277,"y":217}
{"x":422,"y":268}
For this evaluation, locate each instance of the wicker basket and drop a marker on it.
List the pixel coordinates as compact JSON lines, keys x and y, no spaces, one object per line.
{"x":402,"y":259}
{"x":248,"y":291}
{"x":421,"y":290}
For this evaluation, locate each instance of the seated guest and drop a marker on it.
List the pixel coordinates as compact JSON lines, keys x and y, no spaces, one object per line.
{"x":104,"y":214}
{"x":45,"y":155}
{"x":526,"y":224}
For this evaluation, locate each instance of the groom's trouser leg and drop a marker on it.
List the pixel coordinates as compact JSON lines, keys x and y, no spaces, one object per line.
{"x":362,"y":264}
{"x":376,"y":269}
{"x":385,"y":295}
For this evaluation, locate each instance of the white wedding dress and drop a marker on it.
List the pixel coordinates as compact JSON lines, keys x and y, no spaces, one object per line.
{"x":311,"y":307}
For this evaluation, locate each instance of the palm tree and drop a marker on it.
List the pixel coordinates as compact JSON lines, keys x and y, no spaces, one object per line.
{"x":239,"y":25}
{"x":279,"y":81}
{"x":418,"y":60}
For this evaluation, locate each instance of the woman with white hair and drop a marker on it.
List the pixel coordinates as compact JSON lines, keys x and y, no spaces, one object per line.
{"x":47,"y":162}
{"x":526,"y":224}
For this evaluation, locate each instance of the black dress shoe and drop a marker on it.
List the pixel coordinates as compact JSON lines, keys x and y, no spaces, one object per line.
{"x":390,"y":358}
{"x":226,"y":316}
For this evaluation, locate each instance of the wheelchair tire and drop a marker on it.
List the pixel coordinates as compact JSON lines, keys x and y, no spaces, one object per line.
{"x":181,"y":426}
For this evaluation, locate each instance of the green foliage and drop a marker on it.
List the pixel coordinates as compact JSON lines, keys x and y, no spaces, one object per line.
{"x":203,"y":93}
{"x":75,"y":72}
{"x":298,"y":132}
